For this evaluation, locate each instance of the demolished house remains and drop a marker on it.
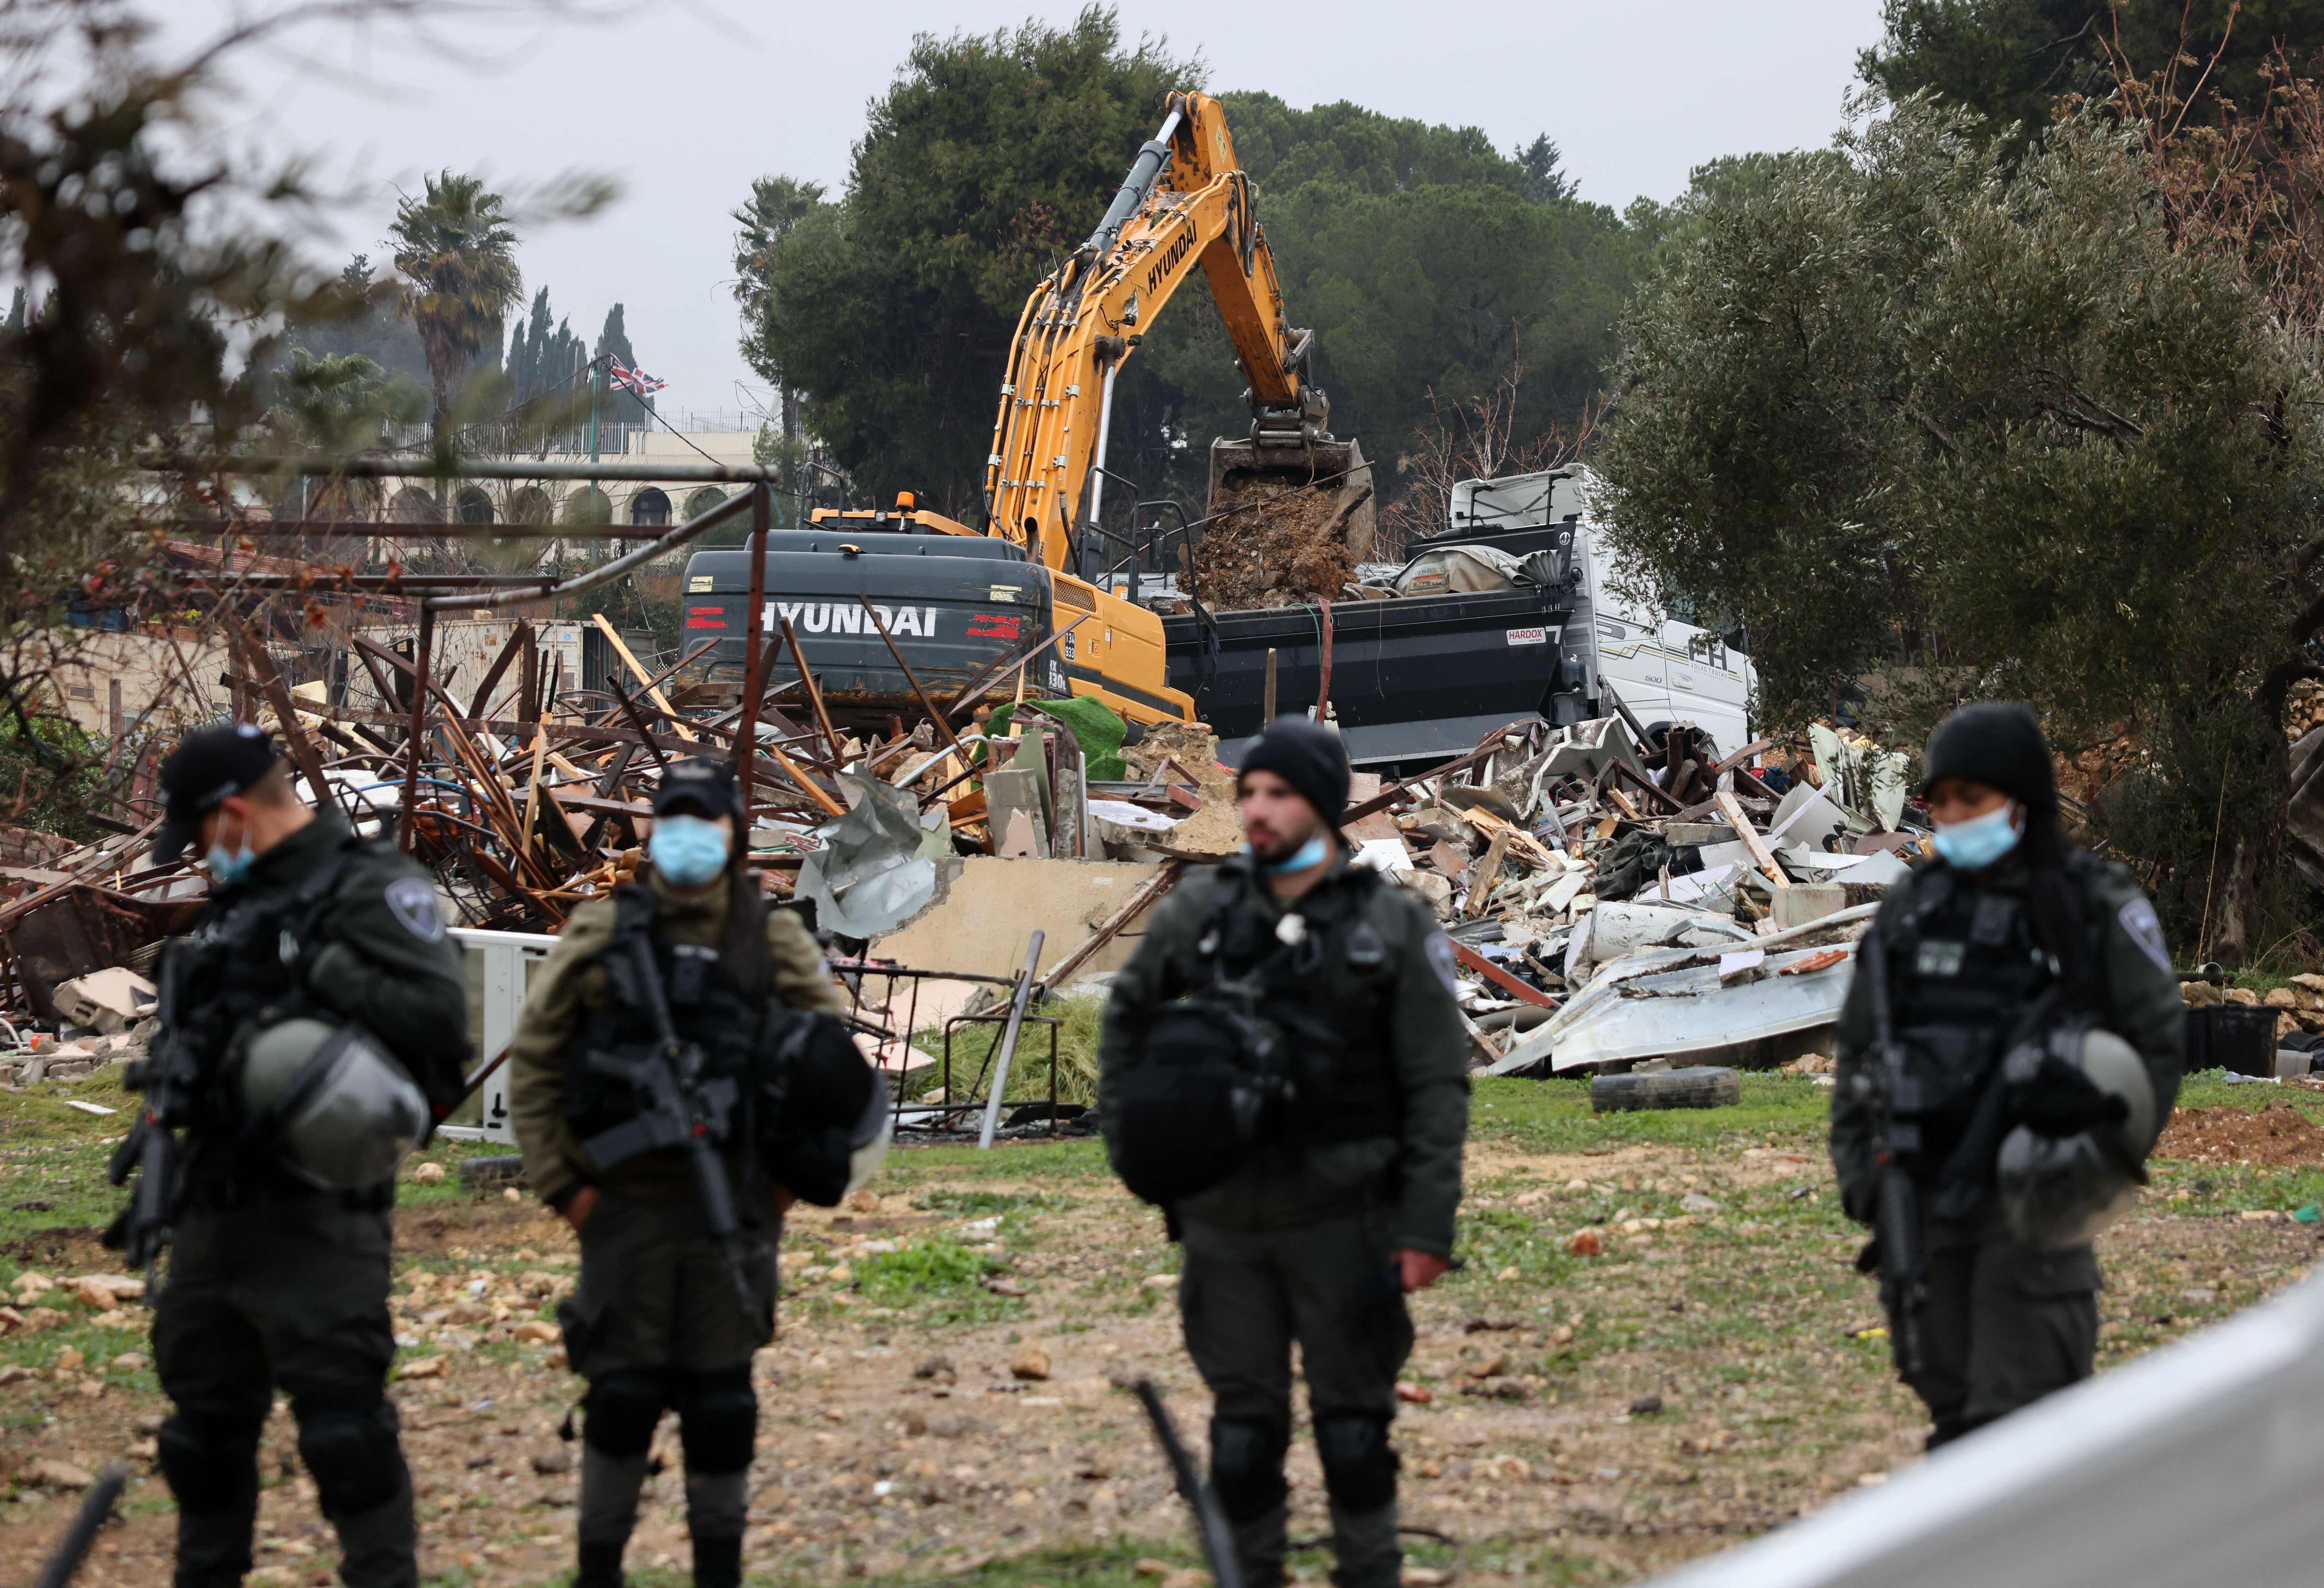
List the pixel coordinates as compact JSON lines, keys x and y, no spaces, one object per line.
{"x":1618,"y":897}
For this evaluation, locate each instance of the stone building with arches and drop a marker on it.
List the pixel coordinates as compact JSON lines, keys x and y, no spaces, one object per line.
{"x":651,"y":507}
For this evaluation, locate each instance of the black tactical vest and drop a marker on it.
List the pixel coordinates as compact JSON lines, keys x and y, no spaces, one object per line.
{"x":1966,"y":971}
{"x":240,"y":967}
{"x":705,"y":1008}
{"x":1329,"y":994}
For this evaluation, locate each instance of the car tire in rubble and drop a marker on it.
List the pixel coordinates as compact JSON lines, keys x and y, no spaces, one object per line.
{"x":1701,"y":1085}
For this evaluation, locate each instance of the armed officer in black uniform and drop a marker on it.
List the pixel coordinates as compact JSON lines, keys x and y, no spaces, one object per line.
{"x":2009,"y":1052}
{"x":279,"y":1276}
{"x":1284,"y":1071}
{"x":666,"y":1005}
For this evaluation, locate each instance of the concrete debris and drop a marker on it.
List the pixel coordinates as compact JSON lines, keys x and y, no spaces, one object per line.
{"x":1661,"y":905}
{"x":107,"y":1001}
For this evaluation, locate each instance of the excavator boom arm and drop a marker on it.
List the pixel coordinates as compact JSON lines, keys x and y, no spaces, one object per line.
{"x":1186,"y":204}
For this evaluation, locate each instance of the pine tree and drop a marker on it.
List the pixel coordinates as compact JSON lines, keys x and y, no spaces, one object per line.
{"x":625,"y":408}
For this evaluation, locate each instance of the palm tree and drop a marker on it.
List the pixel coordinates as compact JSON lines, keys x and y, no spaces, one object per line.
{"x":457,"y":255}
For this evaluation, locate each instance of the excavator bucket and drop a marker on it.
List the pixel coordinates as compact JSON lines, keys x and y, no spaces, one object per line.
{"x":1274,"y":481}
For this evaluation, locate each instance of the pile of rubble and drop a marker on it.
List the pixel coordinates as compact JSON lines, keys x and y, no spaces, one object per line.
{"x":1617,"y":900}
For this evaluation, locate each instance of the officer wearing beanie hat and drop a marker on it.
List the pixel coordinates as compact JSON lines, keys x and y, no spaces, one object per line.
{"x":2010,"y":933}
{"x":1346,"y":1203}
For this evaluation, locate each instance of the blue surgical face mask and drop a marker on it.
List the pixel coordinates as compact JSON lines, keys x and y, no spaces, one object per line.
{"x":686,"y":850}
{"x":227,"y":867}
{"x":1311,"y":853}
{"x":1975,"y":843}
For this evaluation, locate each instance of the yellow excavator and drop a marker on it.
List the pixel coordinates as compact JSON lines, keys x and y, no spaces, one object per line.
{"x":1187,"y":204}
{"x":953,"y":607}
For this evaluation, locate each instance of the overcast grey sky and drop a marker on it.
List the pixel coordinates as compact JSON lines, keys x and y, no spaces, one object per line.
{"x":685,"y":101}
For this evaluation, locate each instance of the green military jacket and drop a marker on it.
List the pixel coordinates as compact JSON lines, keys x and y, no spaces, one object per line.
{"x":1415,"y":1176}
{"x":2126,"y":951}
{"x":571,"y":985}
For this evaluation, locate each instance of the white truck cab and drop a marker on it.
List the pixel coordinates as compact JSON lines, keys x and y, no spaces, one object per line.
{"x":1663,"y":668}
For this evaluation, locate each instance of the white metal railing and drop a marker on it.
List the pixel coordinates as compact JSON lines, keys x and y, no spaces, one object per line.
{"x":506,"y":960}
{"x":2195,"y":1466}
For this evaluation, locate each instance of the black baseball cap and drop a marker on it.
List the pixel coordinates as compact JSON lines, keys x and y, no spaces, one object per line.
{"x":1308,"y":756}
{"x":700,"y":786}
{"x":208,"y":766}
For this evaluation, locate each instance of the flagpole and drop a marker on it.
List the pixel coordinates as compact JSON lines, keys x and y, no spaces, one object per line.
{"x":596,"y":378}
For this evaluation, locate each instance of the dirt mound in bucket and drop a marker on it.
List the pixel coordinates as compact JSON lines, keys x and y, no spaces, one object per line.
{"x":1272,"y":542}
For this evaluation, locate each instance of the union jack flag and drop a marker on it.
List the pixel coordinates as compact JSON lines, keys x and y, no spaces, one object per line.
{"x":632,"y":380}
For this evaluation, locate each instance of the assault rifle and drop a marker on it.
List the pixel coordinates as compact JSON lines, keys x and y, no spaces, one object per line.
{"x":152,"y":1151}
{"x":677,"y":1107}
{"x":1890,"y":1094}
{"x":1209,"y":1519}
{"x":96,"y":1509}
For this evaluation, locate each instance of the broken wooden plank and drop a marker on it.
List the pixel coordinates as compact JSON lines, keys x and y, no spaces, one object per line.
{"x":652,"y":690}
{"x":1760,"y":853}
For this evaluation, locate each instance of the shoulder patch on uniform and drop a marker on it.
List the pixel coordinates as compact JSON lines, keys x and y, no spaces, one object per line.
{"x":2146,"y":929}
{"x":412,"y":902}
{"x":1442,"y":959}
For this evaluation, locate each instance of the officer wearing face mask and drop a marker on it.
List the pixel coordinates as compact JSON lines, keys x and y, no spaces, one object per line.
{"x":278,"y":1278}
{"x":2012,"y":1042}
{"x":657,"y":1324}
{"x":1284,"y":1071}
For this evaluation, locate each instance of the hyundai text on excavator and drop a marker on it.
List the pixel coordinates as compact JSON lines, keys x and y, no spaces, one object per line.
{"x":956,"y":600}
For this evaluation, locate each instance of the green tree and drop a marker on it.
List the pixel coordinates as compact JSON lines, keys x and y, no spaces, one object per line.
{"x":618,"y":406}
{"x":456,"y":252}
{"x":776,"y":205}
{"x":1986,"y":433}
{"x":1428,"y":264}
{"x":2008,"y":60}
{"x":1423,"y":257}
{"x":990,"y":157}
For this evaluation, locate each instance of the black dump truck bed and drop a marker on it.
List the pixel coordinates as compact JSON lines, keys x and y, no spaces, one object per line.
{"x":1412,"y":679}
{"x":955,"y":604}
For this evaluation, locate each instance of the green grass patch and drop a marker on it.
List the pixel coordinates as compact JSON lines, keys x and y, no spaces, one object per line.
{"x":1556,"y":1116}
{"x":974,"y":1046}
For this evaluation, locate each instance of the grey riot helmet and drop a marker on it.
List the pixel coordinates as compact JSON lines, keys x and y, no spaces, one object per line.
{"x":339,"y":1110}
{"x":2060,"y":1191}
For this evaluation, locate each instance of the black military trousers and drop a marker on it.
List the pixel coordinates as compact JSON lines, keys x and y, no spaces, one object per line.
{"x":288,"y":1296}
{"x":2002,"y":1325}
{"x":1333,"y":1289}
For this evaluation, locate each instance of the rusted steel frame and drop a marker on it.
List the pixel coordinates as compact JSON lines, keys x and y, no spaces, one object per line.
{"x":638,"y":722}
{"x":746,"y":732}
{"x":912,"y":679}
{"x":245,"y":637}
{"x":415,"y":734}
{"x":814,"y":693}
{"x":431,"y":467}
{"x":1381,"y":801}
{"x":520,"y":635}
{"x":985,"y":680}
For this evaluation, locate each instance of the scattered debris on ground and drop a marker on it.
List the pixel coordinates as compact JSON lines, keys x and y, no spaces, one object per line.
{"x":2277,"y":1135}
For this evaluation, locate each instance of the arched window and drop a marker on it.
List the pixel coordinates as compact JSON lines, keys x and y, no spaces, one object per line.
{"x":413,"y":505}
{"x":529,"y":505}
{"x":703,"y":500}
{"x":472,"y":506}
{"x":588,"y":507}
{"x":650,"y":507}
